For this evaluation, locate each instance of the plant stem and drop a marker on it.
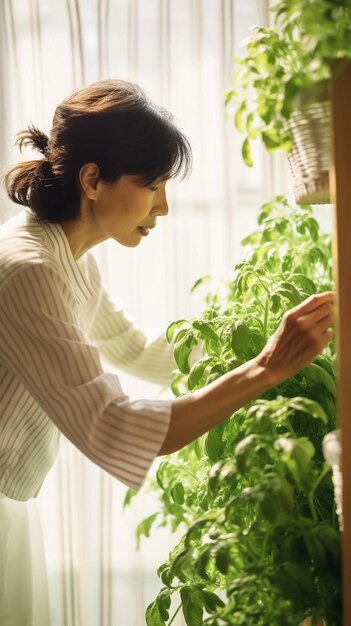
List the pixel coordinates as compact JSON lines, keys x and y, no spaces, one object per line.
{"x":186,"y":470}
{"x":266,"y":317}
{"x":264,"y":546}
{"x":324,"y":471}
{"x":312,"y":507}
{"x":174,"y":615}
{"x":288,"y":423}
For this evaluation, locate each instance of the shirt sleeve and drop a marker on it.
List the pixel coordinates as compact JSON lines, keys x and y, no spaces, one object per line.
{"x":129,"y":348}
{"x":42,"y":345}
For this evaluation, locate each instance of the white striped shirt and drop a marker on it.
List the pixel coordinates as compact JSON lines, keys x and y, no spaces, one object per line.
{"x":55,"y":319}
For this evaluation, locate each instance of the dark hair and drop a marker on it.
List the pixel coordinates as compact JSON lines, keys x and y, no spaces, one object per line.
{"x":111,"y":123}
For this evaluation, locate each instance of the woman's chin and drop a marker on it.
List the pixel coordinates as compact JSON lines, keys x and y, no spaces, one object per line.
{"x":129,"y":242}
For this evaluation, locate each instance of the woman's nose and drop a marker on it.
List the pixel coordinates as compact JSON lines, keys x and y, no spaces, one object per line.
{"x":161,"y":206}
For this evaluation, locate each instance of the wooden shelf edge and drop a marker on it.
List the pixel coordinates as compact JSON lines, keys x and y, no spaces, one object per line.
{"x":340,"y":183}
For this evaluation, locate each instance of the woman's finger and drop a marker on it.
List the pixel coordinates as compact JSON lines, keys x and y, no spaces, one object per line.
{"x":302,"y":335}
{"x":325,"y":323}
{"x":317,"y":316}
{"x":313,"y":303}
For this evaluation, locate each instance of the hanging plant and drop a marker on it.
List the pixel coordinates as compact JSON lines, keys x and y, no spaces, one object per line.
{"x":281,"y":87}
{"x":254,"y":496}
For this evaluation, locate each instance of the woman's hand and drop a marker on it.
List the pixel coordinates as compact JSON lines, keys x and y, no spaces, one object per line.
{"x":302,"y":334}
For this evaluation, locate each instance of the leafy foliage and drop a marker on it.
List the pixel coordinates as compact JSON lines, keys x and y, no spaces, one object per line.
{"x":254,"y":496}
{"x":286,"y":66}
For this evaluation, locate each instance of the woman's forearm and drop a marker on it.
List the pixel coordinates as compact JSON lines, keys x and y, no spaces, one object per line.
{"x":196,"y":413}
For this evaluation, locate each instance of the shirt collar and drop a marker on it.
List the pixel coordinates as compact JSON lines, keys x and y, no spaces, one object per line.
{"x":76,"y":271}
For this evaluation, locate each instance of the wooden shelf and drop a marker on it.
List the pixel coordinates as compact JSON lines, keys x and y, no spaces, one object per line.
{"x":340,"y":182}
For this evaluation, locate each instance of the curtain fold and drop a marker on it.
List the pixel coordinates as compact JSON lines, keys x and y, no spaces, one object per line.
{"x":181,"y":52}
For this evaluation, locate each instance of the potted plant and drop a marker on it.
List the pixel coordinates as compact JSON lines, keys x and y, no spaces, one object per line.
{"x":280,"y":87}
{"x":254,"y":496}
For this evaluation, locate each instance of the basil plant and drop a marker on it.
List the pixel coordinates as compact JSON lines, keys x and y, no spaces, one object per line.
{"x":253,"y":498}
{"x":286,"y":67}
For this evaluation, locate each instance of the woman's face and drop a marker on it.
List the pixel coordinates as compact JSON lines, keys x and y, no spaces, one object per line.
{"x":125,"y":211}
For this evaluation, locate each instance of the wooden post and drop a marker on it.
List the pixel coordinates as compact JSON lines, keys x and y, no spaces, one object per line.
{"x":340,"y":183}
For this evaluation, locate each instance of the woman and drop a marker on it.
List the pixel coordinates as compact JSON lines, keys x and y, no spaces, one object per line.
{"x":103,"y":175}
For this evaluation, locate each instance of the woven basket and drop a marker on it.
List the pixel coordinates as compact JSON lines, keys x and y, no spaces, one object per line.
{"x":310,"y":129}
{"x":332,"y":454}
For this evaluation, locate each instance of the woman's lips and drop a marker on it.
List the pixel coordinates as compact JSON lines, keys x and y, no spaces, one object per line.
{"x":143,"y":231}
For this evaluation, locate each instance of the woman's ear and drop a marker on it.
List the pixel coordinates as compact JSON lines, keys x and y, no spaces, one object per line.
{"x":88,"y":179}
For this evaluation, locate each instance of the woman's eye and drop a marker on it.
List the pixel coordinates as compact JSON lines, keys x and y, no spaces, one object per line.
{"x":154,"y":188}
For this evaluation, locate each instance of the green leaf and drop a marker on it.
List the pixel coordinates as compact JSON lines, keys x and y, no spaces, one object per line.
{"x":214,"y":444}
{"x":316,"y":550}
{"x":282,"y":492}
{"x":286,"y":142}
{"x":178,"y":492}
{"x":244,"y":450}
{"x":173,"y":327}
{"x":192,"y":604}
{"x":182,"y":351}
{"x":282,"y":225}
{"x":211,"y":601}
{"x":199,"y":282}
{"x":239,"y":118}
{"x":208,"y":334}
{"x":153,"y":615}
{"x":178,"y":384}
{"x":303,"y":282}
{"x":228,"y":97}
{"x":164,"y":572}
{"x":330,"y":538}
{"x":287,"y":261}
{"x":300,"y":449}
{"x":214,"y":476}
{"x":180,"y":565}
{"x":145,"y":526}
{"x":162,"y":469}
{"x":130,"y":493}
{"x":271,"y":139}
{"x":195,"y":531}
{"x":241,"y":582}
{"x":164,"y":602}
{"x":258,"y":343}
{"x":326,"y":363}
{"x":246,"y":153}
{"x":289,"y":291}
{"x":222,"y":557}
{"x":286,"y":494}
{"x":240,"y":338}
{"x":275,"y":303}
{"x":201,"y":563}
{"x":298,"y":454}
{"x":313,"y":228}
{"x":291,"y":88}
{"x":298,"y":584}
{"x":264,"y":112}
{"x":316,"y":255}
{"x":269,"y":508}
{"x":262,"y":216}
{"x":252,"y":132}
{"x":233,"y":363}
{"x":320,"y":376}
{"x":310,"y":407}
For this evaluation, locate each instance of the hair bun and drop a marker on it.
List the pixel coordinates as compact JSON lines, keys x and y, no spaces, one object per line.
{"x":33,"y":137}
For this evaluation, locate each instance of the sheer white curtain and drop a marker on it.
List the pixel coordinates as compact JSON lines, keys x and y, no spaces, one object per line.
{"x":181,"y":52}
